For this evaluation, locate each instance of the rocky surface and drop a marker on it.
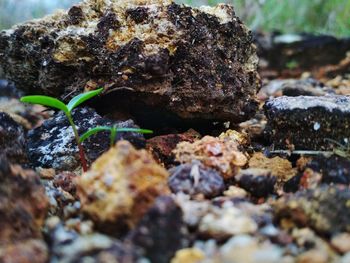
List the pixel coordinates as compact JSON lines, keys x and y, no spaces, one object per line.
{"x":22,"y":212}
{"x":121,"y":186}
{"x":12,"y":140}
{"x":53,"y":145}
{"x":308,"y":123}
{"x":147,"y":54}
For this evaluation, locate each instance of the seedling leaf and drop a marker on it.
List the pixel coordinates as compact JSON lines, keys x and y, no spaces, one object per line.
{"x":46,"y":101}
{"x":134,"y":130}
{"x":79,"y":99}
{"x":92,"y":132}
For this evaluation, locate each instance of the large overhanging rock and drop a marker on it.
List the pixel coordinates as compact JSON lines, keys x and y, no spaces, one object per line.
{"x":151,"y":54}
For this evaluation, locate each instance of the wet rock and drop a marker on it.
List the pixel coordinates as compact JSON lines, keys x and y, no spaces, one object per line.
{"x":147,"y":54}
{"x":12,"y":140}
{"x":53,"y":145}
{"x":324,"y":209}
{"x":162,"y":146}
{"x":161,"y":232}
{"x":280,"y":168}
{"x":70,"y":247}
{"x":307,"y":123}
{"x":22,"y":212}
{"x":293,"y":88}
{"x":258,"y":182}
{"x":222,"y":154}
{"x":121,"y":186}
{"x":195,"y":179}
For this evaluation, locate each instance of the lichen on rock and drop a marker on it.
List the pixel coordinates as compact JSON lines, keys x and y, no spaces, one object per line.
{"x":145,"y":53}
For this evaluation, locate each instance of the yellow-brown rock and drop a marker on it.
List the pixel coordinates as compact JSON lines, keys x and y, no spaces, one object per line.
{"x":121,"y":185}
{"x":221,"y":154}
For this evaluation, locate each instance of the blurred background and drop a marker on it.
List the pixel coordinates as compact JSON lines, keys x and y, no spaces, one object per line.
{"x":288,"y":16}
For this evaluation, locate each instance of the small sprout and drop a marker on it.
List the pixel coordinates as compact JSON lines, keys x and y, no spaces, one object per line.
{"x":67,"y":109}
{"x":113,"y":130}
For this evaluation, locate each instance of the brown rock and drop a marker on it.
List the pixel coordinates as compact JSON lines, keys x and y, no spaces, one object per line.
{"x":280,"y":168}
{"x":162,"y":146}
{"x":121,"y":185}
{"x":23,"y":209}
{"x":221,"y":154}
{"x":148,"y":54}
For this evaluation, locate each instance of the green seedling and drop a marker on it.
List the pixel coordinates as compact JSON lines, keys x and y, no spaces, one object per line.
{"x":67,"y":109}
{"x":113,"y":132}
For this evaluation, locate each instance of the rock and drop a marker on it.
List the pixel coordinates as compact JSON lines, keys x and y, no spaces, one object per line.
{"x":53,"y":145}
{"x":258,"y":182}
{"x":26,"y":251}
{"x":9,"y":90}
{"x":66,"y":181}
{"x":235,"y":192}
{"x":280,"y":168}
{"x":341,"y":242}
{"x":121,"y":186}
{"x":22,"y":212}
{"x":12,"y":140}
{"x":161,"y":232}
{"x":188,"y":255}
{"x":307,"y":123}
{"x":195,"y":179}
{"x":293,"y":88}
{"x":146,"y":54}
{"x":300,"y":52}
{"x":70,"y":247}
{"x":334,"y":169}
{"x":324,"y":209}
{"x":313,"y":255}
{"x":162,"y":146}
{"x":220,"y":154}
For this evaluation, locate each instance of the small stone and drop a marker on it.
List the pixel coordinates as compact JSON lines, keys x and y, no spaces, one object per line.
{"x":292,"y":120}
{"x":188,"y":255}
{"x":341,"y":242}
{"x":121,"y":186}
{"x":161,"y":232}
{"x":66,"y":181}
{"x":12,"y":140}
{"x":313,"y":255}
{"x":162,"y":146}
{"x":258,"y":182}
{"x":195,"y":179}
{"x":53,"y":145}
{"x":235,"y":192}
{"x":220,"y":154}
{"x":281,"y":168}
{"x":46,"y":173}
{"x":226,"y":221}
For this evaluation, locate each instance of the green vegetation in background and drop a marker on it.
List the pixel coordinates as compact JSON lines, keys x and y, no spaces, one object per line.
{"x":289,"y":16}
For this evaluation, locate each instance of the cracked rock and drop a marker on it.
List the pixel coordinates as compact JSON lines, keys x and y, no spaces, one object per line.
{"x":148,"y":54}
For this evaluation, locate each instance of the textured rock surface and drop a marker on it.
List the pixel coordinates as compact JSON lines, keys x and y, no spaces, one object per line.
{"x":325,"y":209}
{"x":148,"y":52}
{"x":23,"y":208}
{"x":195,"y":179}
{"x":12,"y":140}
{"x":52,"y":145}
{"x":306,"y":122}
{"x":121,"y":186}
{"x":221,"y":154}
{"x":161,"y":232}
